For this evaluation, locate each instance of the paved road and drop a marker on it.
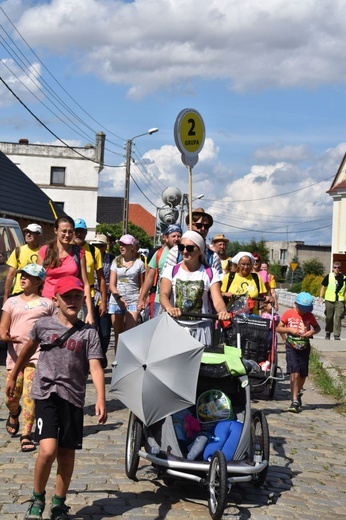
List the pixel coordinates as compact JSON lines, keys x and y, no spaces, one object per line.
{"x":306,"y":478}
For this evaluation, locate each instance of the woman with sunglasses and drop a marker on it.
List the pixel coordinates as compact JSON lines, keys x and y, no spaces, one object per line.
{"x":192,"y":286}
{"x":201,"y":223}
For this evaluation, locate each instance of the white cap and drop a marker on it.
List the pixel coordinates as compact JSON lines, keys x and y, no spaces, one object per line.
{"x":34,"y":228}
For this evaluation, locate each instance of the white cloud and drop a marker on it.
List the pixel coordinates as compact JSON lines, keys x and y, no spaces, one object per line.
{"x":150,"y":45}
{"x":25,"y":85}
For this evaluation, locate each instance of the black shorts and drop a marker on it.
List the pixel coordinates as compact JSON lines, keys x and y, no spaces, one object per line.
{"x":297,"y":361}
{"x":58,"y":419}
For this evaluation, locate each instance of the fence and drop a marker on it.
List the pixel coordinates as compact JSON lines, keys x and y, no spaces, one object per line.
{"x":287,"y":299}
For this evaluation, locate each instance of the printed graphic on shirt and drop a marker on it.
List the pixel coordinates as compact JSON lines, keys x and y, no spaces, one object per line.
{"x":189,"y":295}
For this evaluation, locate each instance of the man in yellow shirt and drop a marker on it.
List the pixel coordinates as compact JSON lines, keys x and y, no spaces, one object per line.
{"x":20,"y":257}
{"x":94,"y":263}
{"x":333,"y":289}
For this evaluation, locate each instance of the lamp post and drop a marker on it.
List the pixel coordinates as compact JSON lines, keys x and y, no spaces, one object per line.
{"x":185,"y":203}
{"x":127,"y":176}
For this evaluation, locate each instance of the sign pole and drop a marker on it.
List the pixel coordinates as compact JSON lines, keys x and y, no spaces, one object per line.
{"x":189,"y":135}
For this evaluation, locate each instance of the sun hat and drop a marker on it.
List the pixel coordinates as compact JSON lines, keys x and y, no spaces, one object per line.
{"x":199,"y":212}
{"x":80,"y":223}
{"x":305,"y":302}
{"x":99,"y":239}
{"x":172,"y":228}
{"x":34,"y":270}
{"x":220,"y":238}
{"x":34,"y":228}
{"x":68,"y":283}
{"x":129,"y":240}
{"x":238,"y":256}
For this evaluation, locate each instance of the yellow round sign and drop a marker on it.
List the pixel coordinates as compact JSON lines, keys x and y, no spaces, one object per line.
{"x":189,"y":132}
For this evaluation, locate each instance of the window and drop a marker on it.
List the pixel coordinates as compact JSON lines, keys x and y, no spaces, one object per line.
{"x":57,"y":175}
{"x":283,"y":256}
{"x":59,"y":204}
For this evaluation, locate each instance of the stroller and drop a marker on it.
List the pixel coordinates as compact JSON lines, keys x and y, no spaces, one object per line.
{"x":257,"y":339}
{"x":235,"y":440}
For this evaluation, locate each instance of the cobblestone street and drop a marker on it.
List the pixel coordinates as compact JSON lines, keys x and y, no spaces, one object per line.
{"x":306,"y":478}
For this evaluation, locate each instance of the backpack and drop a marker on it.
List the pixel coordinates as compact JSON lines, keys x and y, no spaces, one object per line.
{"x":157,"y":259}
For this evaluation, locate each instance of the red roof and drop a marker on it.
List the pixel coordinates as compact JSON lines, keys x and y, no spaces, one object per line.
{"x":141,"y":217}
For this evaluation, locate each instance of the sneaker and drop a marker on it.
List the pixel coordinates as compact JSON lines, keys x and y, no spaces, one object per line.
{"x":294,"y":407}
{"x":336,"y":337}
{"x":59,"y":512}
{"x":299,"y":399}
{"x":327,"y":335}
{"x":35,"y":510}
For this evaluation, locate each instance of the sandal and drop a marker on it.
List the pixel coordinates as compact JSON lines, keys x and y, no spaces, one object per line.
{"x":14,"y":427}
{"x":27,"y":444}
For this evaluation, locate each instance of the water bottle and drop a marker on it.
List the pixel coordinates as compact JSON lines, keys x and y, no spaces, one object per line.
{"x":197,"y":447}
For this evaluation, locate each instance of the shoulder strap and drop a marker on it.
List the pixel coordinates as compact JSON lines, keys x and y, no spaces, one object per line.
{"x":17,"y":253}
{"x":92,"y":251}
{"x":175,"y":269}
{"x":255,"y":277}
{"x":209,"y":272}
{"x":157,"y":259}
{"x":76,"y":257}
{"x":58,"y":342}
{"x":230,"y":280}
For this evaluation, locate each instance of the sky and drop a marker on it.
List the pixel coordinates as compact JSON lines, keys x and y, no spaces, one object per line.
{"x":268,"y":78}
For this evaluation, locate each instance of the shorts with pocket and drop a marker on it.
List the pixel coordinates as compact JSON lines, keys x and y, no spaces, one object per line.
{"x":114,"y":308}
{"x":58,"y":419}
{"x":297,"y":361}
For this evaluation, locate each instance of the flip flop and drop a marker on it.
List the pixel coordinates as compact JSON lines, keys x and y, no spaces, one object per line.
{"x":27,"y":444}
{"x":14,"y":427}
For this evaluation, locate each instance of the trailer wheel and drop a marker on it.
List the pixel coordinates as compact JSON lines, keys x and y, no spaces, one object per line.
{"x":217,"y":479}
{"x":260,"y":445}
{"x":134,"y":441}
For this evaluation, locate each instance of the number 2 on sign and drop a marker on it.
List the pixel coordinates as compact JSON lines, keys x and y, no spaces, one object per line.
{"x":192,"y":127}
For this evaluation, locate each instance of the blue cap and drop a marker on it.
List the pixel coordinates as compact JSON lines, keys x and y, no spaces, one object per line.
{"x":80,"y":223}
{"x":305,"y":302}
{"x":34,"y":270}
{"x":172,"y":228}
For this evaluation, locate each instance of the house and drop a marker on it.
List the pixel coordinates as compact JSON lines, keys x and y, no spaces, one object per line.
{"x":68,"y":176}
{"x":284,"y":252}
{"x":111,"y":209}
{"x":338,"y":193}
{"x":22,"y":200}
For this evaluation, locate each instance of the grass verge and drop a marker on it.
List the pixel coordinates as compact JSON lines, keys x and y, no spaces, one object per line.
{"x":325,"y":382}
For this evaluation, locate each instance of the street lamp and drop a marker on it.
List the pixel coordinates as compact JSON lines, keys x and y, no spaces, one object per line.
{"x":185,"y":203}
{"x":127,"y":176}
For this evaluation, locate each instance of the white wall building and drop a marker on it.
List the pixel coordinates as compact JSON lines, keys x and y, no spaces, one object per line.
{"x":68,"y":176}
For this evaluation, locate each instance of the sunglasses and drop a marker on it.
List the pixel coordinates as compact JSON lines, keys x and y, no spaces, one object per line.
{"x":200,"y":225}
{"x":189,"y":248}
{"x":336,"y":267}
{"x":31,"y":233}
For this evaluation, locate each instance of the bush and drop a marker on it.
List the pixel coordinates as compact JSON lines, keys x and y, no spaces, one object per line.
{"x":296,"y":287}
{"x":316,"y":286}
{"x":312,"y":284}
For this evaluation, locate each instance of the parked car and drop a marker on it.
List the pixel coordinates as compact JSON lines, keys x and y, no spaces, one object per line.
{"x":11,"y":236}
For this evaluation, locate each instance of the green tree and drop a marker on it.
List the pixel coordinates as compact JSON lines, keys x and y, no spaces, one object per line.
{"x":253,"y":247}
{"x":296,"y":276}
{"x":313,"y":266}
{"x":115,"y":231}
{"x":275,"y":268}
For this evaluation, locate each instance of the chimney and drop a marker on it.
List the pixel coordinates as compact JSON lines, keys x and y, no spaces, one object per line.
{"x":23,"y":141}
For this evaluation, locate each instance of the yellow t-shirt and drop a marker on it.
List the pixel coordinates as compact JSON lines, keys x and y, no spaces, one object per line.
{"x":272,"y":281}
{"x":26,"y":256}
{"x":244,"y":285}
{"x":92,"y":265}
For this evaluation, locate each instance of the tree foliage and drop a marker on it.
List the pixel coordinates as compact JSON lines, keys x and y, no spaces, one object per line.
{"x":296,"y":276}
{"x":115,"y":231}
{"x":252,"y":247}
{"x":313,"y":266}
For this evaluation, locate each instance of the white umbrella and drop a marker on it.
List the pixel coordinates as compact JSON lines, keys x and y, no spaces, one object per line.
{"x":157,"y":371}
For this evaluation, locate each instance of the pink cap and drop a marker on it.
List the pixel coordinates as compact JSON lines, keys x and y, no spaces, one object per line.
{"x":128,"y":240}
{"x":68,"y":283}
